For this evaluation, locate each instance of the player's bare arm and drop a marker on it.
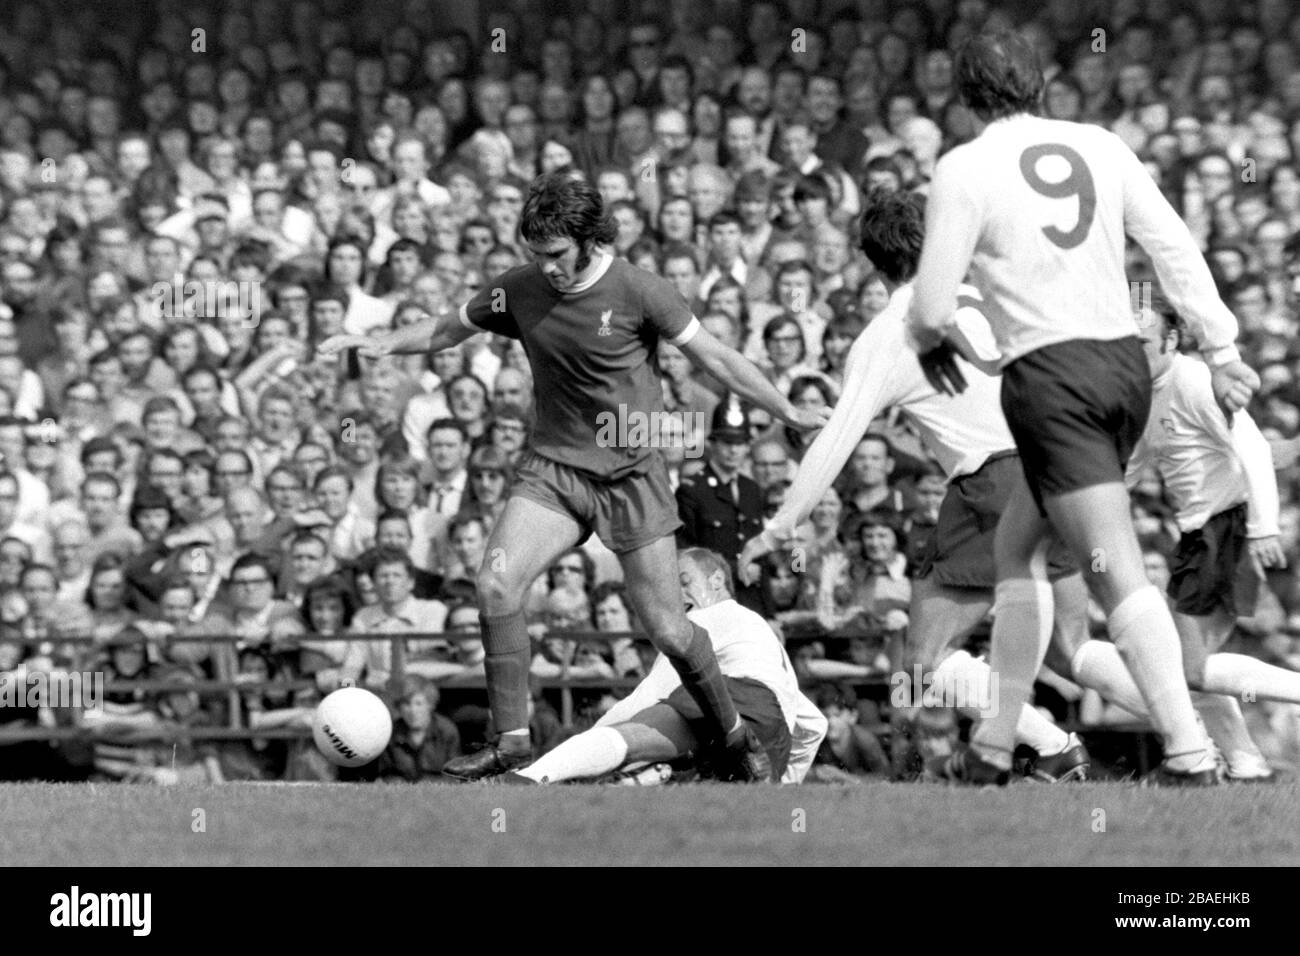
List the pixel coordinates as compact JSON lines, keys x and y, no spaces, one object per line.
{"x":743,"y":377}
{"x":429,"y":334}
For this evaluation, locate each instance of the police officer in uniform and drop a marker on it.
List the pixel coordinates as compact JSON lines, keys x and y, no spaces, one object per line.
{"x":721,"y":508}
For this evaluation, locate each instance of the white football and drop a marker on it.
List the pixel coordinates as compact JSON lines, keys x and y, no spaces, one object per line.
{"x":351,"y":727}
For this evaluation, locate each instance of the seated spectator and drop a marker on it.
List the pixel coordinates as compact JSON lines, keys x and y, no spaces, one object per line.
{"x":349,"y":532}
{"x":423,"y":739}
{"x":327,"y":609}
{"x":615,"y":616}
{"x":393,"y":530}
{"x":865,"y":485}
{"x":309,"y":560}
{"x":568,"y":610}
{"x":468,"y":546}
{"x":880,"y":573}
{"x":257,"y":619}
{"x":395,"y":612}
{"x":105,"y":596}
{"x":490,"y":477}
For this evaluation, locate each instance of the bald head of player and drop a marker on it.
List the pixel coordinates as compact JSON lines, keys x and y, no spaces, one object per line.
{"x":998,"y":74}
{"x":705,"y":577}
{"x":563,"y":221}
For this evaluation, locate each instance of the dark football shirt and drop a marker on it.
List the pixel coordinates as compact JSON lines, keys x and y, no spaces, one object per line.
{"x":592,"y":353}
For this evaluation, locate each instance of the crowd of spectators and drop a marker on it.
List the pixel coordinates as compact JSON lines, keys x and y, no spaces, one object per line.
{"x":194,"y":195}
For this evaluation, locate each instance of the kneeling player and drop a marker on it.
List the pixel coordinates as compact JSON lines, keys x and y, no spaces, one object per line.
{"x":660,"y":721}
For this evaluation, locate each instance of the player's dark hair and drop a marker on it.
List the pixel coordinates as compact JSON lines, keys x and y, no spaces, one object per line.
{"x":998,"y":74}
{"x":561,"y":207}
{"x":892,"y":231}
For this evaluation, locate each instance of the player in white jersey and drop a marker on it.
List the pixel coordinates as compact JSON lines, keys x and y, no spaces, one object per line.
{"x":968,"y":435}
{"x":660,"y":722}
{"x":1219,"y":475}
{"x":1036,"y":211}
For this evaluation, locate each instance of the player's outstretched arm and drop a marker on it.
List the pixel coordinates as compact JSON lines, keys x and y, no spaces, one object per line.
{"x":429,"y":334}
{"x":871,"y":384}
{"x":744,"y":378}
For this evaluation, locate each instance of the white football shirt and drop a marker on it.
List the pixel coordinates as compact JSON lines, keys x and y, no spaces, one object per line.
{"x":1207,"y":466}
{"x":1037,"y":210}
{"x":961,"y":431}
{"x":745,"y":647}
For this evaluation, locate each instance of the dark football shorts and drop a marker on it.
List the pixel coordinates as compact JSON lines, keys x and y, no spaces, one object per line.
{"x":626,"y":513}
{"x":1076,"y":410}
{"x":757,"y":706}
{"x":1212,"y":568}
{"x":959,"y":552}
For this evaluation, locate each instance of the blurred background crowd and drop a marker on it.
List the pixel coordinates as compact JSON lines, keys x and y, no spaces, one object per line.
{"x":193,"y":195}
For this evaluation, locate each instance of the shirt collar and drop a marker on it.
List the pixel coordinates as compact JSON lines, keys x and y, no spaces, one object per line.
{"x":602,"y":266}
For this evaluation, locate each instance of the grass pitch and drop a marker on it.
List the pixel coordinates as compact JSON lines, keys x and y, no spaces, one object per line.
{"x":876,"y":824}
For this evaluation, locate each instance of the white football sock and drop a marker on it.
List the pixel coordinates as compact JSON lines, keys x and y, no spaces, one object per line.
{"x":1038,"y":732}
{"x":1021,"y":630}
{"x":1143,"y":629}
{"x":1098,"y":665}
{"x":589,"y":754}
{"x":1227,"y":727}
{"x":963,"y":682}
{"x":1250,"y":679}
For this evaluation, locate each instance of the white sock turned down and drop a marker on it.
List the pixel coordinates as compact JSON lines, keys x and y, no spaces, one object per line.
{"x":589,"y":754}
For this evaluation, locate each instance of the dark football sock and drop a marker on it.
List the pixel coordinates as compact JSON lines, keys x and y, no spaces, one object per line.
{"x":505,"y":638}
{"x":698,"y":669}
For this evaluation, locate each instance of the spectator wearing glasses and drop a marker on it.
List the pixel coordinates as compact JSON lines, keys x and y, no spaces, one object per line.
{"x":786,"y":351}
{"x":257,"y":618}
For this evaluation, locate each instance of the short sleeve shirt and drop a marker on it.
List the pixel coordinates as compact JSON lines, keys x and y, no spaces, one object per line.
{"x":592,"y":352}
